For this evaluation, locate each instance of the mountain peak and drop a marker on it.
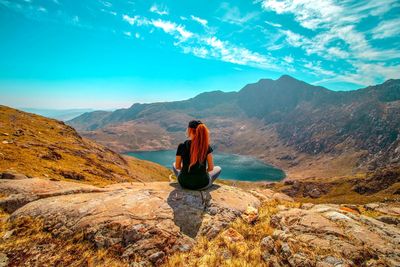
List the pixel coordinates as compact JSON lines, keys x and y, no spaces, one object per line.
{"x":289,"y":79}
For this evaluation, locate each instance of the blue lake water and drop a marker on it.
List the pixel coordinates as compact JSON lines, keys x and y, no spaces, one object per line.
{"x":234,"y":167}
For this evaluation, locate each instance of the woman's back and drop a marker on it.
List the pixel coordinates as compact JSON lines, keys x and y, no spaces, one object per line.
{"x":194,"y":166}
{"x":196,"y":176}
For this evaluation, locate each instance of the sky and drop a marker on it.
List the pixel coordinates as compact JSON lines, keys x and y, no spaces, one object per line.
{"x":110,"y":54}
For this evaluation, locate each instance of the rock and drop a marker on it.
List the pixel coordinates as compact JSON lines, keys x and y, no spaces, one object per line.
{"x":230,"y":235}
{"x":307,"y":206}
{"x":350,"y":208}
{"x":315,"y":193}
{"x":307,"y":189}
{"x":250,"y":215}
{"x":333,"y":261}
{"x":13,"y":176}
{"x":72,"y":175}
{"x":371,"y":206}
{"x":18,"y":132}
{"x":267,"y":244}
{"x":3,"y":259}
{"x":53,"y":155}
{"x":8,"y":234}
{"x":299,"y":259}
{"x":389,"y":220}
{"x":157,"y":257}
{"x":22,"y":191}
{"x":269,"y":195}
{"x":285,"y":251}
{"x":354,"y":239}
{"x":273,"y":261}
{"x":288,"y":182}
{"x":379,"y":181}
{"x":142,"y":219}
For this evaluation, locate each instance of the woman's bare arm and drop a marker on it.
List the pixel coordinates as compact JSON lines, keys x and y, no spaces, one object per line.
{"x":178,"y":162}
{"x":210,"y":162}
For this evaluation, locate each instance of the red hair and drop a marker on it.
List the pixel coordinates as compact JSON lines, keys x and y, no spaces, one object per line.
{"x":200,"y":143}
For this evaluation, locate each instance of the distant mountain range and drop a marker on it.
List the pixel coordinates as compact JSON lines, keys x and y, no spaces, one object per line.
{"x":59,"y":114}
{"x":307,"y":130}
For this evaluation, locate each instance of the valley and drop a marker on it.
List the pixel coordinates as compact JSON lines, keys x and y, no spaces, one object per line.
{"x":308,"y":131}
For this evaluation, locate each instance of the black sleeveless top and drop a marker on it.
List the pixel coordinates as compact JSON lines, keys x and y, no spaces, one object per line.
{"x":197,"y":177}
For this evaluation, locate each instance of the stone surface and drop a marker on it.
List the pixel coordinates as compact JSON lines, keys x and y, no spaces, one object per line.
{"x":22,"y":191}
{"x":332,"y":230}
{"x":268,"y":195}
{"x":151,"y":220}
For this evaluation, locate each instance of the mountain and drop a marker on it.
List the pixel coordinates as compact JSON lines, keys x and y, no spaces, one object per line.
{"x":67,"y":201}
{"x":40,"y":147}
{"x":309,"y":131}
{"x":58,"y":114}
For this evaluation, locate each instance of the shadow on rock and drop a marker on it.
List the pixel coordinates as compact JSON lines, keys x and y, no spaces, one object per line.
{"x":188,"y":207}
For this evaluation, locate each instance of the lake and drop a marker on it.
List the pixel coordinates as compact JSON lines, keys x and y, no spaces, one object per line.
{"x":234,"y":167}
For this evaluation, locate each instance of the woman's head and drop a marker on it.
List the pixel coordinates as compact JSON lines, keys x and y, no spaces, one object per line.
{"x":199,"y":134}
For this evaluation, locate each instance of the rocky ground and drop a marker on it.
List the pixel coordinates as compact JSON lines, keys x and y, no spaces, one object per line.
{"x":160,"y":223}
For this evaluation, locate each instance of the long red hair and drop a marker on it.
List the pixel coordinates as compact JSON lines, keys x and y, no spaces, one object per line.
{"x":200,"y":143}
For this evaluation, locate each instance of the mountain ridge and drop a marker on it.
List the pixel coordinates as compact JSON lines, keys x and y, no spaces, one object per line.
{"x":279,"y":119}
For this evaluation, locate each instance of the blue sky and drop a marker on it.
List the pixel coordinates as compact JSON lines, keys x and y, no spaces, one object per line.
{"x":108,"y":54}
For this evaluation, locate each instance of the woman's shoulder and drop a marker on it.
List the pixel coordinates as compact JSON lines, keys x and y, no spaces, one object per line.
{"x":183,"y":145}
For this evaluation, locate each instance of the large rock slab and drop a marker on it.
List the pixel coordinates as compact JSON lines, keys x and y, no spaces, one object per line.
{"x":147,"y":219}
{"x":19,"y":192}
{"x":329,"y":235}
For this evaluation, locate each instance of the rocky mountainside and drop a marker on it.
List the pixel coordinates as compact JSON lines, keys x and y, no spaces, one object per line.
{"x":160,"y":223}
{"x":67,"y":201}
{"x":307,"y":130}
{"x":37,"y":146}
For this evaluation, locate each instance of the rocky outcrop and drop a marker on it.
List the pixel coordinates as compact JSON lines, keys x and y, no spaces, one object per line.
{"x":306,"y":188}
{"x":329,"y":235}
{"x":378,"y":181}
{"x":151,"y":220}
{"x":19,"y":191}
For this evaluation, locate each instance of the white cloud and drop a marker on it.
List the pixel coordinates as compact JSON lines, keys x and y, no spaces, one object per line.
{"x":178,"y":31}
{"x":159,"y":10}
{"x":199,"y":20}
{"x":316,"y":68}
{"x":106,"y":4}
{"x":276,"y":25}
{"x":130,"y":20}
{"x":42,"y":9}
{"x":129,"y":34}
{"x":288,"y":59}
{"x":385,"y":29}
{"x":229,"y":52}
{"x":137,"y":35}
{"x":234,"y":16}
{"x":366,"y":74}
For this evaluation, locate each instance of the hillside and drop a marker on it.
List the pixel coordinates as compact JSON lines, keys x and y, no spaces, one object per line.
{"x":309,"y":131}
{"x":39,"y":147}
{"x":67,"y":201}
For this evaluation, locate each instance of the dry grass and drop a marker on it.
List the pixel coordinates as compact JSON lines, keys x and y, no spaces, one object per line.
{"x":30,"y":245}
{"x":26,"y":138}
{"x":218,"y":252}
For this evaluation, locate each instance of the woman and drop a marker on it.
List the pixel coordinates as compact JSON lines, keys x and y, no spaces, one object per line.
{"x":194,"y":164}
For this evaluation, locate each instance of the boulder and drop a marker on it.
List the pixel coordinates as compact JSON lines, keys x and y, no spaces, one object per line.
{"x":12,"y":175}
{"x":332,"y":230}
{"x":151,"y":220}
{"x":21,"y":191}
